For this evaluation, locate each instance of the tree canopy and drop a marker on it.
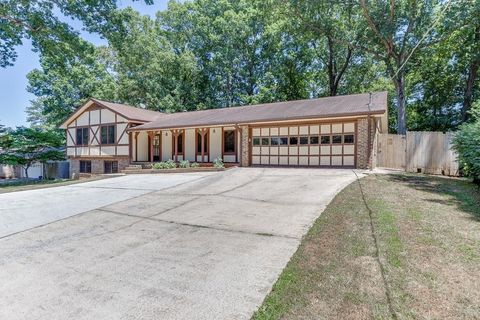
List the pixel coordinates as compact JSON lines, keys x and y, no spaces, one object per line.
{"x":220,"y":53}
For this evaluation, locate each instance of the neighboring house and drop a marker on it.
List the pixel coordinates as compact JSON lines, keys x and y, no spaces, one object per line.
{"x":104,"y":137}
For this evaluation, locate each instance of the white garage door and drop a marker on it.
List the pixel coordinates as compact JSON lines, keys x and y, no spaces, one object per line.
{"x":323,"y":144}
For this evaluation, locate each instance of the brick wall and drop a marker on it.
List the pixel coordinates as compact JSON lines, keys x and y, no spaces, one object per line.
{"x":97,"y":164}
{"x":363,"y":159}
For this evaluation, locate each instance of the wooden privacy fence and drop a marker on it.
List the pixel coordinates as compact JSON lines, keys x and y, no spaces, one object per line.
{"x":418,"y":151}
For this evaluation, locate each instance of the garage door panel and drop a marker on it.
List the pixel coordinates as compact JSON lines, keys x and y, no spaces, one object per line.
{"x":348,"y":160}
{"x":336,"y":160}
{"x":349,"y":149}
{"x":314,"y":161}
{"x":322,"y":144}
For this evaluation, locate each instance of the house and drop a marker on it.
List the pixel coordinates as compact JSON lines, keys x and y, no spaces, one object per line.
{"x":105,"y":137}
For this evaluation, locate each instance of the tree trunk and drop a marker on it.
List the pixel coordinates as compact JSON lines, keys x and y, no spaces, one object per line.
{"x":401,"y":108}
{"x":472,"y":76}
{"x":26,"y":171}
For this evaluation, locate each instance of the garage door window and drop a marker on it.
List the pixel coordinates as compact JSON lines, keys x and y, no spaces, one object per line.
{"x":348,"y":138}
{"x":303,"y":140}
{"x":293,"y":140}
{"x":275,"y":141}
{"x":314,"y":140}
{"x":265,"y":141}
{"x":283,"y":141}
{"x":325,"y":140}
{"x":256,"y":141}
{"x":336,"y":139}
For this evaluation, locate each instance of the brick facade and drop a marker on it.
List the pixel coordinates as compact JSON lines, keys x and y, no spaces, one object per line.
{"x":97,"y":164}
{"x":245,"y":146}
{"x":364,"y":157}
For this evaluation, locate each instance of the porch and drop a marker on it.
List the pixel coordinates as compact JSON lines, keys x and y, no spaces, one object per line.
{"x":201,"y":145}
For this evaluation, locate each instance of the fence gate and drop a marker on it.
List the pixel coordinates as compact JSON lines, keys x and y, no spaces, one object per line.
{"x":418,"y":151}
{"x":392,"y":150}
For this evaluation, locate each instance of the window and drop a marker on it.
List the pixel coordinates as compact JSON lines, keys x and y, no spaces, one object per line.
{"x":314,"y":140}
{"x":303,"y":140}
{"x":85,"y":166}
{"x":348,"y":138}
{"x":256,"y":141}
{"x":229,"y":141}
{"x":110,"y":167}
{"x":325,"y":140}
{"x":275,"y":141}
{"x":265,"y":141}
{"x":82,"y":136}
{"x":179,"y":144}
{"x":283,"y":141}
{"x":336,"y":139}
{"x":108,"y":134}
{"x":199,"y":143}
{"x":293,"y":140}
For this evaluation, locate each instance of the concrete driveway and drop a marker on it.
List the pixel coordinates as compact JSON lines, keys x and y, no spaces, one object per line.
{"x":171,"y":246}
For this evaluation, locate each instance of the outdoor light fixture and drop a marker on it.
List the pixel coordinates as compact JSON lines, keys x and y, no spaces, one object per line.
{"x":213,"y":130}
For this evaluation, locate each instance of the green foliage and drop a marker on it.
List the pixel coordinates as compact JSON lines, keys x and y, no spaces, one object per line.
{"x":184,"y":164}
{"x":24,"y":146}
{"x":467,"y":145}
{"x":194,"y":165}
{"x":218,"y":163}
{"x":169,"y":164}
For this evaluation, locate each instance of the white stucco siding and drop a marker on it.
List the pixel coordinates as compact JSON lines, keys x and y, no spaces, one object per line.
{"x":82,"y":120}
{"x":122,"y":136}
{"x":107,"y":116}
{"x":122,"y":150}
{"x":70,"y":137}
{"x":94,"y":116}
{"x":142,"y":144}
{"x":94,"y":151}
{"x":190,"y":144}
{"x":107,"y":151}
{"x":166,"y":145}
{"x":215,"y":143}
{"x":70,"y":151}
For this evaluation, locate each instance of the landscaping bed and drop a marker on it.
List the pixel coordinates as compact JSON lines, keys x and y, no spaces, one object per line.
{"x":387,"y":247}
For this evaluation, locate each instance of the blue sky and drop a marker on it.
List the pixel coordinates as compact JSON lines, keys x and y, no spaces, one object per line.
{"x":14,"y":97}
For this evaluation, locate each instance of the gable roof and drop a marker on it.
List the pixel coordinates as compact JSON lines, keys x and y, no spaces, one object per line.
{"x":348,"y":105}
{"x":132,"y":114}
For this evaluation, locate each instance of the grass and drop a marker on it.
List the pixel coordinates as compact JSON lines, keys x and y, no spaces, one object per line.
{"x":22,"y":185}
{"x":408,"y":249}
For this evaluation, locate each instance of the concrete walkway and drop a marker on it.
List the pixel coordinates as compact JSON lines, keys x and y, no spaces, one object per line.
{"x":172,"y":246}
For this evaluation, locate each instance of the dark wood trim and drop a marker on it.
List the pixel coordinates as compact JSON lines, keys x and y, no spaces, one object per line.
{"x":204,"y":138}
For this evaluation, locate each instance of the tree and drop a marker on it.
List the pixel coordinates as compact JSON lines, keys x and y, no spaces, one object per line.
{"x":394,"y":29}
{"x":36,"y":20}
{"x":60,"y":87}
{"x":467,"y":145}
{"x":25,"y":146}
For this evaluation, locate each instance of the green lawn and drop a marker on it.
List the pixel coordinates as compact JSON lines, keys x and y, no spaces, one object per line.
{"x":400,"y":247}
{"x":22,"y":185}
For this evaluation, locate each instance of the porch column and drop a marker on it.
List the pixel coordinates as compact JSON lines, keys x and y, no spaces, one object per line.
{"x":203,"y":133}
{"x":151,"y":135}
{"x":175,"y":134}
{"x":136,"y":145}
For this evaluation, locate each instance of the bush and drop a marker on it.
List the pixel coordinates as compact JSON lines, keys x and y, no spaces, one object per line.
{"x":467,"y":144}
{"x":169,"y":164}
{"x":194,"y":165}
{"x":184,"y":164}
{"x":218,"y":163}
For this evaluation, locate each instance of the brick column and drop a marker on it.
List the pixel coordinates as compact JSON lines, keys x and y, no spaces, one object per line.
{"x":363,"y":160}
{"x":245,"y":156}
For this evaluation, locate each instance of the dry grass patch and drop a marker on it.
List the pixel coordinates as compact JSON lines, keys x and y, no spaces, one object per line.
{"x":408,"y":249}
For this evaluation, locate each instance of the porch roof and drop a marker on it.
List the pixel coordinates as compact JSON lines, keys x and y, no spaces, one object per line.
{"x":339,"y":106}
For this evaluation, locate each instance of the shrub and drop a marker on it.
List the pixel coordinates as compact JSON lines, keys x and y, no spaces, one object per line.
{"x":467,"y":144}
{"x":194,"y":165}
{"x":184,"y":164}
{"x":169,"y":164}
{"x":218,"y":163}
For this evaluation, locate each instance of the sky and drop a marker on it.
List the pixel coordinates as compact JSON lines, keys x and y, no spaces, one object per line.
{"x":14,"y":97}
